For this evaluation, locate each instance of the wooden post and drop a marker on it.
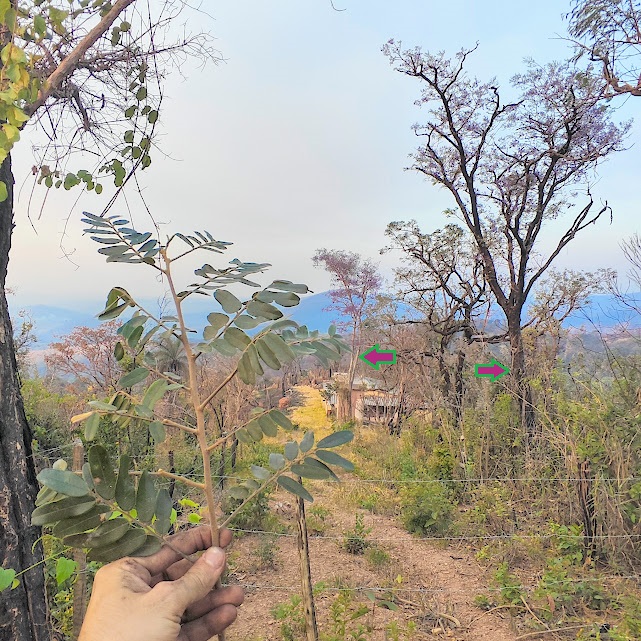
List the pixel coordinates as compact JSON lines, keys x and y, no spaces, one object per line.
{"x":311,"y":629}
{"x":80,"y":586}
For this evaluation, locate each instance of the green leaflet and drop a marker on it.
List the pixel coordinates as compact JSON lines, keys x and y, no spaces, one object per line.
{"x":62,"y":509}
{"x":267,"y":355}
{"x":227,"y":301}
{"x":253,"y":360}
{"x":247,"y":322}
{"x":237,"y":338}
{"x":294,"y":487}
{"x":244,"y":437}
{"x":102,"y":472}
{"x":64,"y":569}
{"x":309,"y":472}
{"x":150,"y":546}
{"x":288,"y":286}
{"x":238,"y":492}
{"x":245,"y":370}
{"x":125,"y":491}
{"x":276,"y":461}
{"x":260,"y":472}
{"x":119,"y":351}
{"x":86,"y":474}
{"x":146,"y":497}
{"x":154,"y":393}
{"x":312,"y":463}
{"x":64,"y":481}
{"x":47,"y":495}
{"x":163,"y":512}
{"x":127,"y":328}
{"x":335,"y":439}
{"x":331,"y":458}
{"x":279,"y":347}
{"x":135,"y":376}
{"x":263,"y":310}
{"x":281,"y":420}
{"x":307,"y":441}
{"x":253,"y":429}
{"x":222,"y":346}
{"x":7,"y":577}
{"x":77,"y":524}
{"x":134,"y":539}
{"x":157,"y":431}
{"x":105,"y":534}
{"x":268,"y":425}
{"x":291,"y":450}
{"x":91,"y":426}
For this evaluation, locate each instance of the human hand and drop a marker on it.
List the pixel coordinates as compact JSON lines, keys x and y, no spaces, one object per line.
{"x":163,"y":597}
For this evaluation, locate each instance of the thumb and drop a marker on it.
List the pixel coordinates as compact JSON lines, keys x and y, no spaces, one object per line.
{"x":198,"y":581}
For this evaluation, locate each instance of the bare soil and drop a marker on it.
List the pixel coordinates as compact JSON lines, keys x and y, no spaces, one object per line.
{"x":431,"y":585}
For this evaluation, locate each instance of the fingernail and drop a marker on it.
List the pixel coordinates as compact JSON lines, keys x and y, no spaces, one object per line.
{"x":214,"y":557}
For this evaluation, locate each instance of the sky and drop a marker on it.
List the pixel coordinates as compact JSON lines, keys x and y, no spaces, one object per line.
{"x":299,"y":141}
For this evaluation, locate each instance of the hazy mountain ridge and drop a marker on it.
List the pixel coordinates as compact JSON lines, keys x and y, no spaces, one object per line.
{"x":52,"y":322}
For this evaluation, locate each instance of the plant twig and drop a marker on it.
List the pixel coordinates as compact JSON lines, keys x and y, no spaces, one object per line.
{"x":182,"y":479}
{"x":550,"y":630}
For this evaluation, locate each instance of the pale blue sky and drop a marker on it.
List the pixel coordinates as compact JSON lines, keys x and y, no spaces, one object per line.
{"x":298,"y":141}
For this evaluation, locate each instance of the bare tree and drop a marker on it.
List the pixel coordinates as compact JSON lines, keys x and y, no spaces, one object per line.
{"x":442,"y":278}
{"x":511,"y":169}
{"x":355,"y":283}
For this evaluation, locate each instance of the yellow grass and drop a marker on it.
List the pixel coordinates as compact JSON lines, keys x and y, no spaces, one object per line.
{"x":311,"y":415}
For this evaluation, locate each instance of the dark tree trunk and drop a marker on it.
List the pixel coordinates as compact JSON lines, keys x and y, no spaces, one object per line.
{"x":23,"y":611}
{"x":522,"y":387}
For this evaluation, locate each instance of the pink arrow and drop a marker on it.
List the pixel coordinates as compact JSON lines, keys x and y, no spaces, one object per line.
{"x":493,"y":370}
{"x":374,"y":356}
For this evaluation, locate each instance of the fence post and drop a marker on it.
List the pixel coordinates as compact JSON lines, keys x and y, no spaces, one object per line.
{"x":311,"y":629}
{"x":80,"y":586}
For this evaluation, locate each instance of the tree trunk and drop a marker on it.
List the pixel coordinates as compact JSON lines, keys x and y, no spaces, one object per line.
{"x":522,"y":387}
{"x":23,"y":611}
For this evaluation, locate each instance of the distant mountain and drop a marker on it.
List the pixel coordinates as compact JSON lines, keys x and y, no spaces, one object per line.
{"x":52,"y":322}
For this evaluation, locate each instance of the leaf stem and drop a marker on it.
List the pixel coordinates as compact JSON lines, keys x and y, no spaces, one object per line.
{"x":199,"y":408}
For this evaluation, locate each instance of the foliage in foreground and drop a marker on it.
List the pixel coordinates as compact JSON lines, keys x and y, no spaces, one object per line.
{"x":106,"y":510}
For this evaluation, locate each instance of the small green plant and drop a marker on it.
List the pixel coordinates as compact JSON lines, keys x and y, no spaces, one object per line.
{"x":317,"y":519}
{"x":395,"y":631}
{"x":355,"y":540}
{"x":377,"y":557}
{"x":291,"y":617}
{"x":251,"y":515}
{"x":345,"y":614}
{"x":483,"y":602}
{"x":426,"y":508}
{"x":568,"y":541}
{"x":266,"y":552}
{"x":510,"y":587}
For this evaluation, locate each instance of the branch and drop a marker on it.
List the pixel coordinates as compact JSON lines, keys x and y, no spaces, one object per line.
{"x":182,"y":479}
{"x":70,"y":63}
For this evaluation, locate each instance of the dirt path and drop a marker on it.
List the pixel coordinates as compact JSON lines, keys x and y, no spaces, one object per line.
{"x":427,"y":581}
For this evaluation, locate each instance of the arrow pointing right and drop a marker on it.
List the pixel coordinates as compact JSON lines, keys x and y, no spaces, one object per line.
{"x":493,"y":370}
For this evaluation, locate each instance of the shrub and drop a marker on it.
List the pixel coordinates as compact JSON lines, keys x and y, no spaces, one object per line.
{"x":426,"y":508}
{"x":267,"y":552}
{"x":355,"y":541}
{"x":377,"y":557}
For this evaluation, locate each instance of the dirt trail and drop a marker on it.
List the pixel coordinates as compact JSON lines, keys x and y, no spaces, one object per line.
{"x":433,"y":579}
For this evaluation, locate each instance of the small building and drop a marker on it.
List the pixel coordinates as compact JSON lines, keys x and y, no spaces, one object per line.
{"x":371,"y":399}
